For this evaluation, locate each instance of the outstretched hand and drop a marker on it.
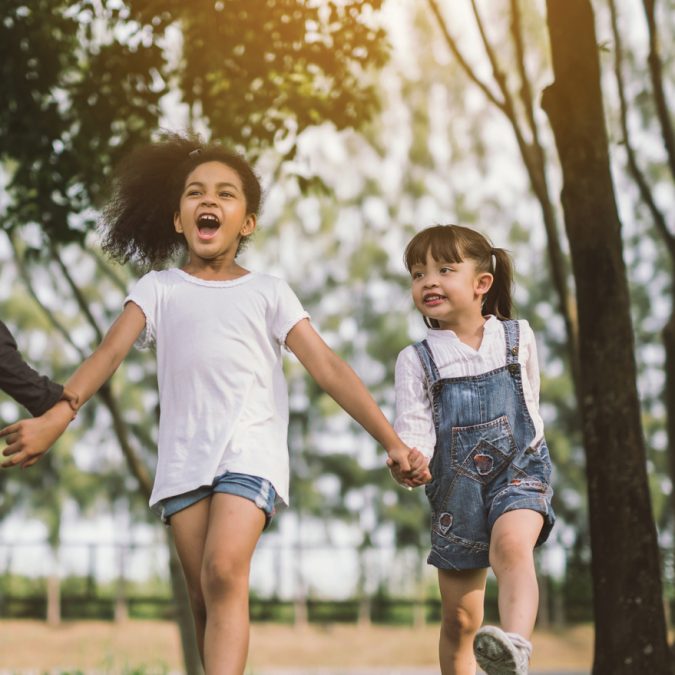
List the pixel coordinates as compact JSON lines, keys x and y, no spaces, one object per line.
{"x":409,"y":468}
{"x":27,"y":440}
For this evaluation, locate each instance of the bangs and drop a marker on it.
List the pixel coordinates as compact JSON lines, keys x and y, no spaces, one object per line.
{"x":443,"y":242}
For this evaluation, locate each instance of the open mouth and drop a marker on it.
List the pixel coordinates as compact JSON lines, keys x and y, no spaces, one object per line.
{"x":207,"y":225}
{"x":433,"y":299}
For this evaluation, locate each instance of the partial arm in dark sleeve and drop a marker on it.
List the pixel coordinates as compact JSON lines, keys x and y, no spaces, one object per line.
{"x":35,"y":392}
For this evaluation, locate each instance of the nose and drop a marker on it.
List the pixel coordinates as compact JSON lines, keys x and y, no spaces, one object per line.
{"x":430,"y":281}
{"x":208,"y":200}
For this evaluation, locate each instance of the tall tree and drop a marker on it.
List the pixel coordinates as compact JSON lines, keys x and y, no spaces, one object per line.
{"x":630,"y":624}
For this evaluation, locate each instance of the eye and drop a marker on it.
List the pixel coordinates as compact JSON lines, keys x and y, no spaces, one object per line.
{"x":417,"y":275}
{"x":192,"y":193}
{"x":226,"y":194}
{"x":445,"y":270}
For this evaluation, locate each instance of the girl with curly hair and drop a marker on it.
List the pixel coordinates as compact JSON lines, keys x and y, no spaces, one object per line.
{"x":218,"y":330}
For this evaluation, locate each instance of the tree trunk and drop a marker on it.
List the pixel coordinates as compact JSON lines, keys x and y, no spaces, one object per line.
{"x":54,"y":591}
{"x":121,"y":605}
{"x":668,"y":337}
{"x":630,"y":632}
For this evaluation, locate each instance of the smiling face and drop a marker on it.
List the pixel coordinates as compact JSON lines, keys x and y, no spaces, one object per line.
{"x":449,"y":292}
{"x":213,"y":214}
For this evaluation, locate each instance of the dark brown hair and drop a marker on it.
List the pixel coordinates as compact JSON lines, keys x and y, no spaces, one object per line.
{"x":147,"y":185}
{"x":454,"y":243}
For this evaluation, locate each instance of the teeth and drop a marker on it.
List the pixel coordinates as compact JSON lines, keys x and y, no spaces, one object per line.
{"x":209,"y":217}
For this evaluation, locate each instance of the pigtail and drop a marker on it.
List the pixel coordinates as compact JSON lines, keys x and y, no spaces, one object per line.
{"x":498,"y":300}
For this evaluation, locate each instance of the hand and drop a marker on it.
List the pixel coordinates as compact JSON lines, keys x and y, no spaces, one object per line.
{"x":29,"y":439}
{"x":412,"y":471}
{"x":72,"y":398}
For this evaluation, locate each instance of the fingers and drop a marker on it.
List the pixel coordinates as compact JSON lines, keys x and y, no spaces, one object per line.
{"x":404,"y":465}
{"x":30,"y":462}
{"x":9,"y":429}
{"x":15,"y":457}
{"x":72,"y":398}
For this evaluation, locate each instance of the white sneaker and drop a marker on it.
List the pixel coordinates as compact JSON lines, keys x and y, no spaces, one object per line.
{"x":498,"y":654}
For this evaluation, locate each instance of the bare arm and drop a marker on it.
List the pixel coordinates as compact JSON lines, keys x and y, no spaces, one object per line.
{"x":338,"y":379}
{"x":99,"y":367}
{"x":29,"y":439}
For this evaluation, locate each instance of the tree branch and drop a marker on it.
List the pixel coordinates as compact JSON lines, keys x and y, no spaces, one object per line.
{"x":452,"y":44}
{"x":25,"y":277}
{"x":655,"y":72}
{"x":525,"y":90}
{"x":636,"y":172}
{"x":81,"y":302}
{"x":104,"y":268}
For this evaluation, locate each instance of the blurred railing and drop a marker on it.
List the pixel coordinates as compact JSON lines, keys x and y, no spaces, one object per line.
{"x":315,"y":583}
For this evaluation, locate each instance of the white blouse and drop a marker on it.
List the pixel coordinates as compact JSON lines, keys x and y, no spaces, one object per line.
{"x":414,"y":421}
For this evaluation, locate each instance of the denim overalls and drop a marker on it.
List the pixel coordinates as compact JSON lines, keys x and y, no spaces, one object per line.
{"x":482,"y":465}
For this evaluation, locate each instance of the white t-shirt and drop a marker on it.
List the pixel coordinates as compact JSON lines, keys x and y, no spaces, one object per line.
{"x":222,"y":392}
{"x":414,"y":421}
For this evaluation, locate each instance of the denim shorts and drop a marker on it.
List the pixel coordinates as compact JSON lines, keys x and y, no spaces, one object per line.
{"x":258,"y":490}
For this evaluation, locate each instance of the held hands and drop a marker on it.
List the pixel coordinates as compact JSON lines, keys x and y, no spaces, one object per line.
{"x":29,"y":439}
{"x":72,"y":398}
{"x":408,"y":467}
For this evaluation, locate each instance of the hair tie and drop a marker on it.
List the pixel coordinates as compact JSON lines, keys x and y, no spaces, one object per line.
{"x":194,"y":153}
{"x":493,"y":259}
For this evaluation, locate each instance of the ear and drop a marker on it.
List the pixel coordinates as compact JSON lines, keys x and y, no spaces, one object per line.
{"x":249,"y":225}
{"x":483,"y":283}
{"x":177,"y":223}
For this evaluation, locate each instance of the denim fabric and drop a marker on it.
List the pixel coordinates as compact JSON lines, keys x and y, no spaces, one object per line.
{"x":258,"y":490}
{"x":482,"y":465}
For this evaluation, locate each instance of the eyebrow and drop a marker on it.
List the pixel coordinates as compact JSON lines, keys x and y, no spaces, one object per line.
{"x":218,"y":185}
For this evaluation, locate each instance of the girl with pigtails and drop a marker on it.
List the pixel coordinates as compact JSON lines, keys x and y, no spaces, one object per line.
{"x":467,"y":396}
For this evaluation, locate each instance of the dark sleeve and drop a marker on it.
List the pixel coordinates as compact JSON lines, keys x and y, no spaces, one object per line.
{"x":35,"y":392}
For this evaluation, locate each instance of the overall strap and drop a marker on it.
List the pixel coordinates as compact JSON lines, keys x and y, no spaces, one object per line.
{"x":428,"y":364}
{"x":512,"y":337}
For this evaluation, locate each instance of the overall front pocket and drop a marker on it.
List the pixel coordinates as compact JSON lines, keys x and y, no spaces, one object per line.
{"x":482,"y":451}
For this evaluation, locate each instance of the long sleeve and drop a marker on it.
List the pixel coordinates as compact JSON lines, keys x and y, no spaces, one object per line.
{"x":532,"y":362}
{"x":414,"y":420}
{"x":35,"y":392}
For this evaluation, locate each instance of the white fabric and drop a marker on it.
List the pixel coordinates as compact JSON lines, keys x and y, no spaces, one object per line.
{"x":414,"y":422}
{"x":222,"y":392}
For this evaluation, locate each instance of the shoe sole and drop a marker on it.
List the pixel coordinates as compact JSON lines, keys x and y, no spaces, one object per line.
{"x":492,"y":652}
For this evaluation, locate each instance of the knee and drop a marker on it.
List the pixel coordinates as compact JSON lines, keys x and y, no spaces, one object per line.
{"x":222,"y":576}
{"x":509,"y":549}
{"x":459,"y":624}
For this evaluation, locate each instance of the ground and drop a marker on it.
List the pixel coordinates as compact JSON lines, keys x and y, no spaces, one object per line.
{"x":154,"y":647}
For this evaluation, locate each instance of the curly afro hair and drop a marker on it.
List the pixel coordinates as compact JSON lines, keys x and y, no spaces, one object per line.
{"x":137,"y":221}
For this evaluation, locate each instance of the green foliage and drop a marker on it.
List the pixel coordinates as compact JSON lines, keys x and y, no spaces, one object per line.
{"x":256,"y":69}
{"x":76,"y":98}
{"x":83,"y":82}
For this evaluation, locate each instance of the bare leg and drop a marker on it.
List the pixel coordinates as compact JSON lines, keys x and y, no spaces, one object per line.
{"x":511,"y":556}
{"x":189,"y":528}
{"x":235,"y":525}
{"x":462,"y":594}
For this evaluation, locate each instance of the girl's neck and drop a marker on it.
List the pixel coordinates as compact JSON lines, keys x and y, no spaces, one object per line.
{"x":469,"y":331}
{"x":214,"y":270}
